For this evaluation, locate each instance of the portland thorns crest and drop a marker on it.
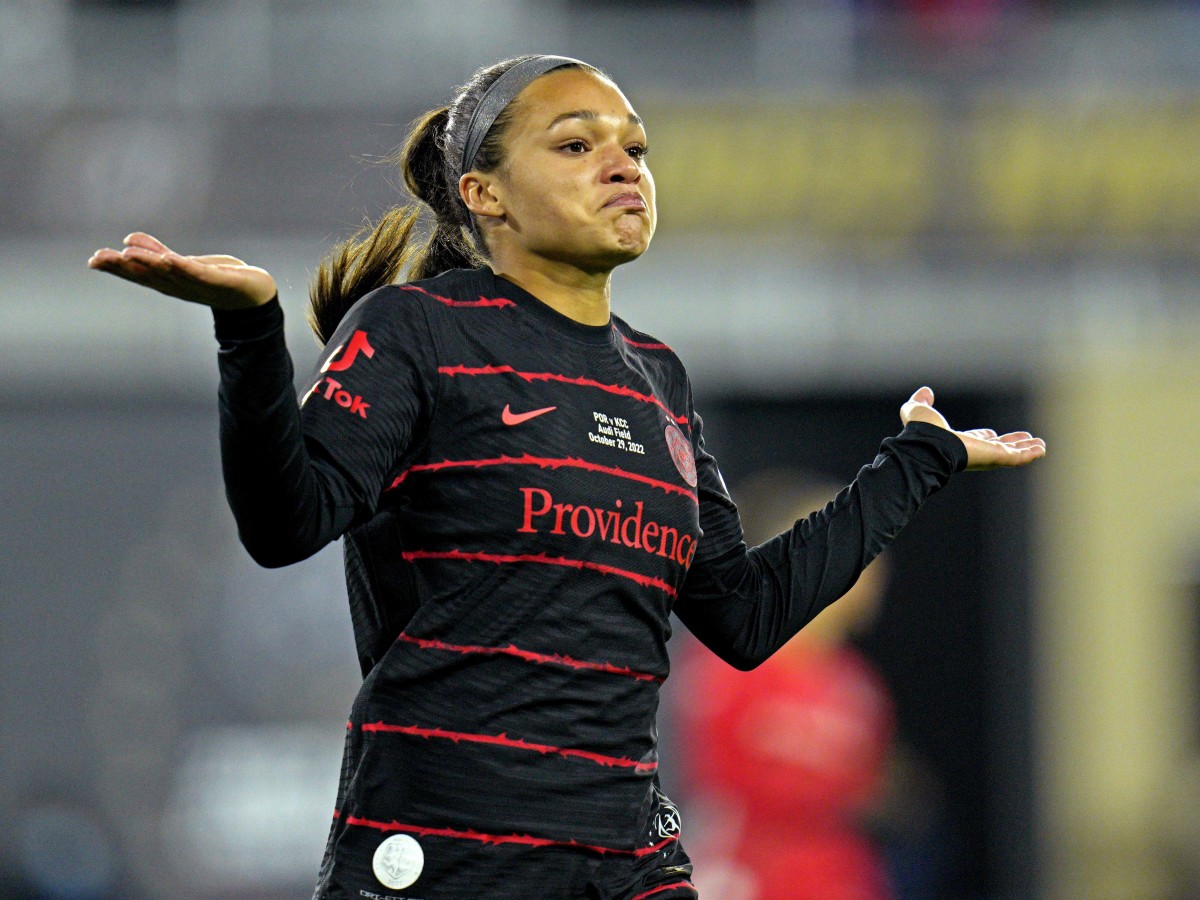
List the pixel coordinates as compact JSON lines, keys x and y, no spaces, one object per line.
{"x":681,"y":454}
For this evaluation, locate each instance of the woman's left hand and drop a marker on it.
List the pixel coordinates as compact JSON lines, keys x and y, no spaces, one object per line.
{"x":985,"y":448}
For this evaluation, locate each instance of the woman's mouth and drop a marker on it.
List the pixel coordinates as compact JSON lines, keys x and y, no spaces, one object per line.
{"x":628,"y":200}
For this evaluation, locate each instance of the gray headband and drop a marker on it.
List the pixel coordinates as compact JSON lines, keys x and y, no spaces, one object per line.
{"x":502,"y":92}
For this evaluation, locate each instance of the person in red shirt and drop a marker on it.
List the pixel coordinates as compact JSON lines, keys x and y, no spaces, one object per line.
{"x":791,"y":757}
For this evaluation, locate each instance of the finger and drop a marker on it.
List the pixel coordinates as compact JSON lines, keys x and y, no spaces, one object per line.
{"x":1015,"y":436}
{"x":130,"y":270}
{"x":1016,"y":446}
{"x":144,"y":255}
{"x":167,"y":263}
{"x":167,"y":272}
{"x":922,"y":395}
{"x":1028,"y":454}
{"x":919,"y":412}
{"x":110,"y":260}
{"x":1026,"y":444}
{"x":149,"y":242}
{"x":155,"y":270}
{"x":985,"y":434}
{"x":103,"y":257}
{"x":919,"y":408}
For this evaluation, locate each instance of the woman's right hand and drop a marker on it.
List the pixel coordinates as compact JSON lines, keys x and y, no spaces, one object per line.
{"x":219,"y":282}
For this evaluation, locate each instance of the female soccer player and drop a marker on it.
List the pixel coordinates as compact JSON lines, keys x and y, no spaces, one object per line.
{"x":521,"y":481}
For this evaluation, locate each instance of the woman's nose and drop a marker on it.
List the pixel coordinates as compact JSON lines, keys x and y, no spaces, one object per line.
{"x":620,"y":167}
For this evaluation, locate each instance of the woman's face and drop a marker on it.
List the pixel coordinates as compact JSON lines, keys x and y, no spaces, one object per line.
{"x":575,"y":187}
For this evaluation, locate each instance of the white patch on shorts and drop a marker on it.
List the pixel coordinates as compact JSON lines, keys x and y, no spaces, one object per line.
{"x":398,"y":861}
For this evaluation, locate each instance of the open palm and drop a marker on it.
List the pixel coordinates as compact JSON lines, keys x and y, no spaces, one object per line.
{"x":217,"y":281}
{"x":985,"y":448}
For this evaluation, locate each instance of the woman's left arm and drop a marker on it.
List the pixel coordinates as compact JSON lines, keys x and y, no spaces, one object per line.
{"x":745,"y":603}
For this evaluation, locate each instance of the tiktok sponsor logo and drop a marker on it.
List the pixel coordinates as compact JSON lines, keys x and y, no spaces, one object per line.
{"x":619,"y":525}
{"x":343,"y":357}
{"x":340,"y":360}
{"x":332,"y":390}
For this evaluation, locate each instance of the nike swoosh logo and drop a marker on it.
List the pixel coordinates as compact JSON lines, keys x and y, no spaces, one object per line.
{"x":512,"y":418}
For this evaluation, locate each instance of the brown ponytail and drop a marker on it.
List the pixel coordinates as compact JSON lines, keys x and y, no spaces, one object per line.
{"x":386,"y":252}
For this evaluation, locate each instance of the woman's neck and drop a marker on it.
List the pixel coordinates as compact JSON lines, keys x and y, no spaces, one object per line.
{"x":577,"y":294}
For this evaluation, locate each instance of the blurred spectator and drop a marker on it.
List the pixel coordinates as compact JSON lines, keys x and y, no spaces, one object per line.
{"x":790,"y":762}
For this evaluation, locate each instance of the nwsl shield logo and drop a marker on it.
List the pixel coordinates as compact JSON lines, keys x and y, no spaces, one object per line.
{"x":398,"y":861}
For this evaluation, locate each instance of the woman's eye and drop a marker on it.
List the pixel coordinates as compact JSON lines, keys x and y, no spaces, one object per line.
{"x":638,"y":151}
{"x":575,"y":147}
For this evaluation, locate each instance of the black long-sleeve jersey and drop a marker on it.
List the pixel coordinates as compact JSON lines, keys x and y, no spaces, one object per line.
{"x":524,"y":500}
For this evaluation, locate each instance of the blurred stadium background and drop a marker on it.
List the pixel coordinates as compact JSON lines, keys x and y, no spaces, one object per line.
{"x":1000,"y":198}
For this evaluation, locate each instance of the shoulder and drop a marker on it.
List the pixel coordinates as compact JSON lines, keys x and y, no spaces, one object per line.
{"x":457,"y":289}
{"x":657,"y":362}
{"x":648,"y":347}
{"x":423,"y":303}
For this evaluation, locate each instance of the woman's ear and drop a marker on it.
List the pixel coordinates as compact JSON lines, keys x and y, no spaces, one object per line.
{"x":479,"y":192}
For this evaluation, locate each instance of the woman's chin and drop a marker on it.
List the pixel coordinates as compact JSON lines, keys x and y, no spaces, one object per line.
{"x":633,"y":237}
{"x":626,"y":252}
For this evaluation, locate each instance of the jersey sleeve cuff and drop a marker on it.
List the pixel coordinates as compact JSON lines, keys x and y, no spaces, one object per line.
{"x":234,"y":325}
{"x":945,"y":443}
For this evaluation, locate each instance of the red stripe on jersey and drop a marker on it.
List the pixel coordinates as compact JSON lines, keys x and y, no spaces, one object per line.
{"x":665,"y":887}
{"x":531,"y":656}
{"x":543,"y":559}
{"x":527,"y":840}
{"x":546,"y":463}
{"x":499,"y":302}
{"x":643,"y":345}
{"x":563,"y":379}
{"x":503,"y":740}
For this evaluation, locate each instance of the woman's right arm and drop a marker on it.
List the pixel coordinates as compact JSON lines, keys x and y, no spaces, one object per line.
{"x":297,"y":478}
{"x":288,"y":503}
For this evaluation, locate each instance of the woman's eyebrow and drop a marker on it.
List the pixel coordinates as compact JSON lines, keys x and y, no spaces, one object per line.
{"x":588,"y":115}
